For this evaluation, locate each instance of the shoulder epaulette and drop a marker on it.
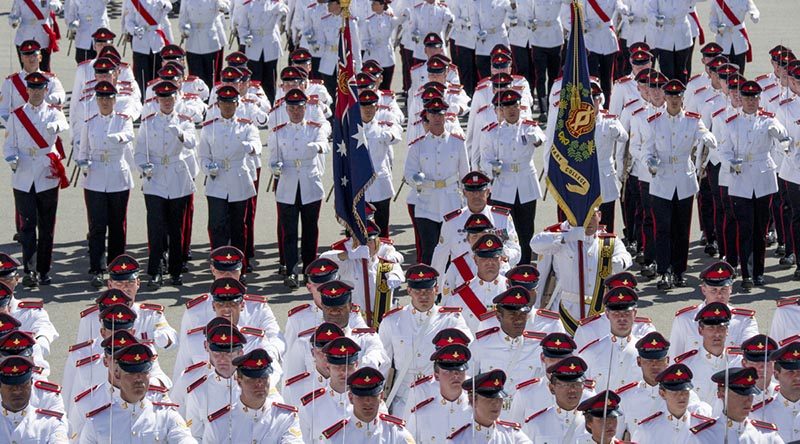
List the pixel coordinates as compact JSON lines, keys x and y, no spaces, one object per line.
{"x":637,"y":111}
{"x":547,"y":314}
{"x":623,"y":79}
{"x":90,"y":118}
{"x":363,"y":331}
{"x":643,"y":320}
{"x":530,"y":122}
{"x":699,"y":416}
{"x":193,"y":302}
{"x":306,"y":332}
{"x":296,"y":378}
{"x":196,"y":384}
{"x":486,"y":315}
{"x":654,"y":116}
{"x":195,"y":366}
{"x":766,"y":113}
{"x":764,"y":425}
{"x":701,"y":89}
{"x":416,"y":140}
{"x":626,"y":387}
{"x":314,"y":124}
{"x":450,"y":309}
{"x":734,"y":350}
{"x":298,"y":309}
{"x":417,"y":66}
{"x":454,"y":434}
{"x":387,"y":241}
{"x":513,"y":425}
{"x":531,"y":381}
{"x":489,"y":127}
{"x":421,"y":380}
{"x":482,"y":86}
{"x":610,"y":116}
{"x":98,"y":410}
{"x":501,"y":210}
{"x":84,"y":393}
{"x":421,"y":404}
{"x":589,"y":319}
{"x":219,"y":413}
{"x":731,"y":118}
{"x":209,"y":122}
{"x":288,"y":407}
{"x":762,"y":77}
{"x":154,"y":81}
{"x":555,"y":228}
{"x":770,"y":86}
{"x":184,"y":117}
{"x":256,"y":298}
{"x":630,"y":103}
{"x":685,"y":309}
{"x":84,"y":62}
{"x":483,"y":108}
{"x":34,"y":304}
{"x":325,"y":16}
{"x":702,"y":426}
{"x":252,"y":331}
{"x":711,"y":99}
{"x":487,"y":332}
{"x":391,"y":312}
{"x":457,"y":136}
{"x":589,"y":384}
{"x":743,"y":312}
{"x":684,"y":356}
{"x":761,"y":404}
{"x":392,"y":419}
{"x":282,"y":125}
{"x":330,"y":431}
{"x":538,"y":335}
{"x":166,"y":405}
{"x":80,"y":345}
{"x":90,"y":310}
{"x":86,"y":360}
{"x":717,"y":112}
{"x":788,"y":340}
{"x":157,"y":388}
{"x":651,"y":417}
{"x":792,"y":300}
{"x":589,"y":345}
{"x":47,"y":386}
{"x":452,"y":214}
{"x":153,"y":307}
{"x":692,"y":114}
{"x":529,"y":418}
{"x":311,"y":6}
{"x":305,"y":399}
{"x":385,"y":122}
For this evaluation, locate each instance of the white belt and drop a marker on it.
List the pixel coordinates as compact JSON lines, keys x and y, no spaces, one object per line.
{"x":165,"y":159}
{"x":299,"y":163}
{"x":756,"y":157}
{"x":638,"y":19}
{"x":514,"y":167}
{"x":34,"y":22}
{"x":571,"y":297}
{"x":545,"y":23}
{"x":105,"y":157}
{"x":675,"y":159}
{"x":262,"y":32}
{"x":439,"y":184}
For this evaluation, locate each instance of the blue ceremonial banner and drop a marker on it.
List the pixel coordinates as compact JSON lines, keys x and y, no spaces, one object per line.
{"x":572,"y":174}
{"x":352,"y":166}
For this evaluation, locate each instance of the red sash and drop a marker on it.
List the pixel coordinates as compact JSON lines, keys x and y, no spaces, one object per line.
{"x":56,"y":167}
{"x":735,"y":20}
{"x":51,"y":32}
{"x":463,"y":268}
{"x":21,"y":88}
{"x":475,"y":305}
{"x":696,"y":19}
{"x":602,"y":15}
{"x":149,"y":20}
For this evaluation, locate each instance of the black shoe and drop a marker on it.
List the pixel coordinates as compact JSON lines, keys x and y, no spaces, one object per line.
{"x":711,"y":248}
{"x":796,"y":275}
{"x":16,"y":237}
{"x":787,"y":260}
{"x":97,"y":280}
{"x":156,"y":281}
{"x":291,"y":281}
{"x":189,"y":255}
{"x":679,"y":281}
{"x":44,"y":279}
{"x":639,"y":259}
{"x":243,"y":279}
{"x":772,"y":237}
{"x":282,"y":270}
{"x":666,"y":282}
{"x":780,"y":250}
{"x":177,"y":280}
{"x":649,"y":271}
{"x":248,"y":268}
{"x":703,"y":240}
{"x":543,"y":117}
{"x":185,"y":267}
{"x":633,"y":247}
{"x":747,"y":284}
{"x":29,"y":280}
{"x":758,"y":281}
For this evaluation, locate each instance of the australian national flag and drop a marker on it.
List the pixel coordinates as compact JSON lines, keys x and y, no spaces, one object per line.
{"x":572,"y":174}
{"x":352,"y":167}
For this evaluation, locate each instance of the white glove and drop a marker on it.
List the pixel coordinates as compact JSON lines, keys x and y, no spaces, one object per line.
{"x":710,"y":141}
{"x":223,"y":8}
{"x":116,"y":138}
{"x":615,"y":132}
{"x":161,"y":341}
{"x":248,"y":40}
{"x":52,"y":127}
{"x":775,"y":133}
{"x":393,"y":282}
{"x":755,"y":16}
{"x":177,"y":132}
{"x":138,"y":31}
{"x":14,"y":20}
{"x":575,"y":234}
{"x":186,"y":30}
{"x":360,"y":252}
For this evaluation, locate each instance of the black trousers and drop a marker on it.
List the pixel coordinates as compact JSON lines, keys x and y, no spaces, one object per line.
{"x":631,"y":207}
{"x":523,"y":63}
{"x":44,"y":65}
{"x":407,"y":57}
{"x":753,"y":217}
{"x":145,"y":67}
{"x":705,"y":209}
{"x":523,"y":215}
{"x":429,"y":232}
{"x":602,"y":67}
{"x":623,"y":67}
{"x":84,"y":54}
{"x":483,"y":65}
{"x":781,"y":218}
{"x":689,"y":60}
{"x":737,"y":59}
{"x":387,"y":77}
{"x":107,"y":213}
{"x":464,"y":58}
{"x":226,"y":224}
{"x":546,"y":64}
{"x":330,"y":83}
{"x":647,"y":223}
{"x":731,"y":228}
{"x":37,"y":224}
{"x":165,"y":224}
{"x":266,"y":71}
{"x":382,"y":215}
{"x":314,"y":73}
{"x":417,"y":241}
{"x":674,"y":222}
{"x":308,"y":216}
{"x":712,"y":176}
{"x":673,"y":63}
{"x":250,"y":221}
{"x":793,"y":197}
{"x":608,"y":216}
{"x":188,"y":223}
{"x":205,"y":66}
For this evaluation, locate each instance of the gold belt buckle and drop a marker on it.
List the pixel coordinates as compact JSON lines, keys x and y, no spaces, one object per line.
{"x":298,"y":163}
{"x":226,"y":164}
{"x":673,"y":159}
{"x":165,"y":160}
{"x":104,"y":157}
{"x":507,"y":403}
{"x":32,"y":152}
{"x":440,"y":184}
{"x":514,"y":168}
{"x":749,"y":158}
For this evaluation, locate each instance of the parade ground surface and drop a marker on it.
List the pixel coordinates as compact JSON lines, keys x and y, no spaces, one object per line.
{"x":70,"y":291}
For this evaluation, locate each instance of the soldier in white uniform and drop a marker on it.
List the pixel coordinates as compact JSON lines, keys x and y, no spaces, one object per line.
{"x":147,"y":26}
{"x":783,"y":408}
{"x":13,"y":92}
{"x":712,"y":355}
{"x":674,"y":180}
{"x":634,"y":28}
{"x":736,"y":386}
{"x":603,"y":255}
{"x":131,"y":416}
{"x":258,"y":25}
{"x":202,"y":28}
{"x":106,"y":156}
{"x":31,"y":150}
{"x":625,"y":87}
{"x":225,"y":143}
{"x":252,"y":417}
{"x":365,"y":423}
{"x":727,"y":19}
{"x":84,"y":18}
{"x":425,"y":17}
{"x":490,"y":30}
{"x":509,"y":156}
{"x":379,"y":35}
{"x":161,"y":154}
{"x":434,"y":165}
{"x":716,"y":286}
{"x":486,"y":397}
{"x":746,"y":149}
{"x":462,"y":44}
{"x":671,"y":36}
{"x":786,"y":319}
{"x":407,"y":333}
{"x":317,"y":375}
{"x":297,"y":153}
{"x":756,"y":353}
{"x":21,"y":420}
{"x":127,"y":100}
{"x":36,"y":21}
{"x":674,"y":415}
